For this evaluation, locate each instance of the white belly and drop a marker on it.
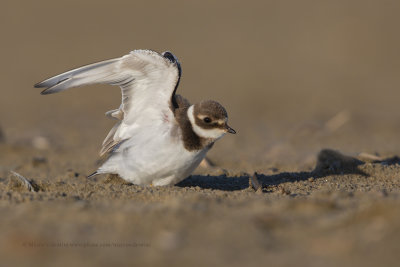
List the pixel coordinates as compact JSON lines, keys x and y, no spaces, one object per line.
{"x":158,"y":162}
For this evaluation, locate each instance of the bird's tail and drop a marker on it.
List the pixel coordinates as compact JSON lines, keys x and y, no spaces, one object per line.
{"x":93,"y":174}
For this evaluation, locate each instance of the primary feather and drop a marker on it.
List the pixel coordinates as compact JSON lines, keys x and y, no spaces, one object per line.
{"x":147,"y":80}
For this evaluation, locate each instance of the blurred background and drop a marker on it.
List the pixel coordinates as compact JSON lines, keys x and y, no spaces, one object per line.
{"x":285,"y":70}
{"x":294,"y":76}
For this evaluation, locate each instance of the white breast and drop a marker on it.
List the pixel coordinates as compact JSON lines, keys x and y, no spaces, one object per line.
{"x":153,"y":157}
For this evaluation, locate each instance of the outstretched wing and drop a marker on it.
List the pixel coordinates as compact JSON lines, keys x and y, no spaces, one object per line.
{"x":148,"y":81}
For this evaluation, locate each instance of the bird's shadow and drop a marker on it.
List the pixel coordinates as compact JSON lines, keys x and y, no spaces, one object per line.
{"x":329,"y":162}
{"x":221,"y":182}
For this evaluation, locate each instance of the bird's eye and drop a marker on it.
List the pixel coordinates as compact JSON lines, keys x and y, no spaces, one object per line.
{"x":207,"y":120}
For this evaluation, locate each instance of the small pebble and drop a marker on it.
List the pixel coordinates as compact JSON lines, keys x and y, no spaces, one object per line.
{"x":254,"y":183}
{"x":40,"y":142}
{"x":36,"y":161}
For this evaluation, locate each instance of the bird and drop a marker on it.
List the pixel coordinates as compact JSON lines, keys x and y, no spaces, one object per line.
{"x":159,"y":137}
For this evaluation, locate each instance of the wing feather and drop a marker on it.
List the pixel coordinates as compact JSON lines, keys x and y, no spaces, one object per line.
{"x":148,"y":81}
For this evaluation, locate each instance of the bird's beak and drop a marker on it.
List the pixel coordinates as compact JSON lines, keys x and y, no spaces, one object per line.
{"x":230,"y":130}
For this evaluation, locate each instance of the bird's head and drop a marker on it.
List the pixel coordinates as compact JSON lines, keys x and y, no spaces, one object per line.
{"x":209,"y":120}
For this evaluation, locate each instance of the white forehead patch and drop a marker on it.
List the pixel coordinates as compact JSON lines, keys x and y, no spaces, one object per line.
{"x":205,"y":133}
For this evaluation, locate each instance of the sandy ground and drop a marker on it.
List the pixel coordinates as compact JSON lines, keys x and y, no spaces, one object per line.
{"x":296,"y":77}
